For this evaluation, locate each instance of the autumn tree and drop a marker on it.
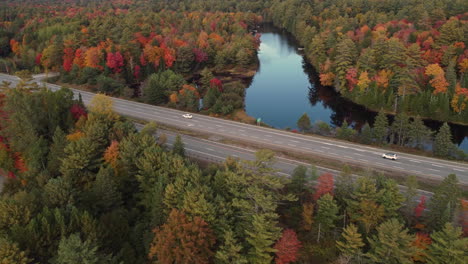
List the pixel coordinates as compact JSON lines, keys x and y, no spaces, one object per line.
{"x":287,"y":247}
{"x":181,"y":240}
{"x":324,"y":185}
{"x":346,"y":56}
{"x":10,"y":253}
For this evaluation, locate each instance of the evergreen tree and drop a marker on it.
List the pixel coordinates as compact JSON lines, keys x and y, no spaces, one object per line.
{"x":230,"y":251}
{"x":345,"y":58}
{"x":448,"y":246}
{"x":444,"y":202}
{"x":178,"y":147}
{"x":73,"y":250}
{"x":154,"y":91}
{"x":58,"y":192}
{"x":299,"y":180}
{"x":443,"y":141}
{"x":210,"y":98}
{"x":380,"y":129}
{"x":345,"y":132}
{"x":206,"y":77}
{"x":261,"y":239}
{"x":418,"y":133}
{"x":351,"y":244}
{"x":409,"y":195}
{"x":392,"y":244}
{"x":344,"y":186}
{"x":366,"y":134}
{"x":56,"y":151}
{"x":304,"y":123}
{"x":327,"y":214}
{"x":391,"y":198}
{"x":400,"y":129}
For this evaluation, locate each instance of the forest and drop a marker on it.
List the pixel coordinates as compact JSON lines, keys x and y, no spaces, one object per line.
{"x":406,"y":57}
{"x":84,"y":185}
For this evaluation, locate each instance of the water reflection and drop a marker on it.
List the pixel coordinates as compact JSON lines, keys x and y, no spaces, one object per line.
{"x":286,"y":86}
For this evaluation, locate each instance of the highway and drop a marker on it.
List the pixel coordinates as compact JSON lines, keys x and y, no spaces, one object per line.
{"x":285,"y":141}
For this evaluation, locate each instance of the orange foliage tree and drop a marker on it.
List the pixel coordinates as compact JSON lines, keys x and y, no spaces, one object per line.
{"x":438,"y":80}
{"x":287,"y":247}
{"x":421,"y":242}
{"x":324,"y":186}
{"x":180,"y":240}
{"x":111,"y":154}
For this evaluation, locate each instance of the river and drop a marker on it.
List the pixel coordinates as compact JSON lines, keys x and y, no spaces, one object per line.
{"x":286,"y":86}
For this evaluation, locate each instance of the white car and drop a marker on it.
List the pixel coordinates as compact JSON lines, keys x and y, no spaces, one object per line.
{"x":189,"y":116}
{"x":391,"y":156}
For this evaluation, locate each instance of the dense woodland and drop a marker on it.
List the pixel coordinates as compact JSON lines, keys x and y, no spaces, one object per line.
{"x":85,"y":186}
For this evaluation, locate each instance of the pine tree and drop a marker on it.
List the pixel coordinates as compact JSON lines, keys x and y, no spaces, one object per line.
{"x":443,"y":144}
{"x":73,"y":250}
{"x":400,"y":128}
{"x":154,"y":91}
{"x":345,"y":132}
{"x":391,"y":198}
{"x":392,"y":244}
{"x":105,"y":194}
{"x":210,"y":98}
{"x":56,"y":151}
{"x":444,"y":202}
{"x":345,"y":58}
{"x":344,"y":186}
{"x":380,"y":129}
{"x":366,"y":134}
{"x":299,"y":180}
{"x":261,"y":240}
{"x":304,"y":123}
{"x":327,"y":214}
{"x":178,"y":147}
{"x":409,"y":195}
{"x":230,"y":251}
{"x":351,"y":244}
{"x":418,"y":133}
{"x":448,"y":246}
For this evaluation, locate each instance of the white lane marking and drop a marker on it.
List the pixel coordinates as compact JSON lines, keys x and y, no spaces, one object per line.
{"x":241,"y":130}
{"x":357,"y":154}
{"x":219,"y":125}
{"x":435,"y":165}
{"x":292,"y":145}
{"x":413,"y":160}
{"x":253,"y":136}
{"x":325,"y":147}
{"x":210,"y":149}
{"x":221,"y":130}
{"x":459,"y":170}
{"x":192,"y":150}
{"x":433,"y":169}
{"x":381,"y":164}
{"x":190,"y":125}
{"x":295,"y":141}
{"x":330,"y":144}
{"x":342,"y":147}
{"x":415,"y":171}
{"x":363,"y":160}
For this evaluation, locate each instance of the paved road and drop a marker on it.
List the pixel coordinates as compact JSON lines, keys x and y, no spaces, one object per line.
{"x":285,"y":141}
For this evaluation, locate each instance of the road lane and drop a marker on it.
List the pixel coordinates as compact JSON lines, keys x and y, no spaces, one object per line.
{"x":286,"y":141}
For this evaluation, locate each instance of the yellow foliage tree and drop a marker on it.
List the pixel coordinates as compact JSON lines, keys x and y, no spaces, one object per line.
{"x":363,"y":81}
{"x":75,"y":136}
{"x":438,"y":81}
{"x":103,"y":105}
{"x":307,"y":216}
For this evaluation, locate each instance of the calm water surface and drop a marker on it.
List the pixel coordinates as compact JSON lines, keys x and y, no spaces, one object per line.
{"x":285,"y":87}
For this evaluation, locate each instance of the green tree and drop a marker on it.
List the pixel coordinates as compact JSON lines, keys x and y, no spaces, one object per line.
{"x":392,"y":244}
{"x":345,"y":132}
{"x":299,"y":180}
{"x":443,"y":141}
{"x":261,"y":238}
{"x":448,"y":246}
{"x":73,"y":250}
{"x":56,"y":151}
{"x":390,"y":198}
{"x":351,"y":243}
{"x":444,"y":202}
{"x":366,"y":134}
{"x":418,"y":133}
{"x":210,"y":98}
{"x":154,"y":92}
{"x":11,"y":254}
{"x":304,"y":123}
{"x":345,"y":58}
{"x":327,"y":214}
{"x":400,"y":128}
{"x":230,"y":251}
{"x":178,"y":147}
{"x":380,"y":129}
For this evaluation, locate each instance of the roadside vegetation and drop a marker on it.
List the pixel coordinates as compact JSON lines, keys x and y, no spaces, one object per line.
{"x":85,"y":184}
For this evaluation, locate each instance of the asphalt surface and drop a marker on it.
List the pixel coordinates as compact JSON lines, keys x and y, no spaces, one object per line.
{"x":298,"y":144}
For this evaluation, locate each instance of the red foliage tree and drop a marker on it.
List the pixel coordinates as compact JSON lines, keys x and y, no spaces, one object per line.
{"x":37,"y":61}
{"x":324,"y":186}
{"x":180,"y":240}
{"x":351,"y":77}
{"x":216,"y":83}
{"x":137,"y":72}
{"x":287,"y":247}
{"x":200,"y":55}
{"x":78,"y":111}
{"x":68,"y":57}
{"x":419,"y":209}
{"x":115,"y":61}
